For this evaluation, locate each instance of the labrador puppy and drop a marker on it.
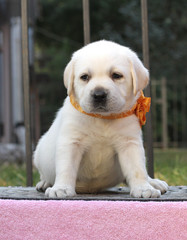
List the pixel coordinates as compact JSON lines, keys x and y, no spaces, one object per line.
{"x":90,"y":146}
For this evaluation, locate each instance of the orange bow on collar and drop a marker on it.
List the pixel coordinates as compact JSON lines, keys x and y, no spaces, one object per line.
{"x":140,"y":109}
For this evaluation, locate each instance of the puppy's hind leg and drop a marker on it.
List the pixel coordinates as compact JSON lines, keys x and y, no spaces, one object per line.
{"x":158,"y":184}
{"x":42,"y":185}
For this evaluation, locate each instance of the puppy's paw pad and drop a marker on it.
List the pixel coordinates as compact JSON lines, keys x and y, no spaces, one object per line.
{"x":159,"y":184}
{"x":145,"y":191}
{"x":42,"y":186}
{"x":60,"y":192}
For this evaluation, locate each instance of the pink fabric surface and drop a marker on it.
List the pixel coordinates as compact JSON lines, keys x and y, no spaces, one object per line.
{"x":92,"y":220}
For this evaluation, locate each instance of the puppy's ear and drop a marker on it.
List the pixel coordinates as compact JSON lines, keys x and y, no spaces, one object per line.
{"x":140,"y":75}
{"x":69,"y":77}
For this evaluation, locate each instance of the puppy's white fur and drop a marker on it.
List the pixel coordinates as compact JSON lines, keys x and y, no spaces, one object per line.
{"x":83,"y":154}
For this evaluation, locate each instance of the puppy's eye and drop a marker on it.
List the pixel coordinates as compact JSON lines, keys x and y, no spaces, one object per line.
{"x":85,"y":77}
{"x":116,"y":76}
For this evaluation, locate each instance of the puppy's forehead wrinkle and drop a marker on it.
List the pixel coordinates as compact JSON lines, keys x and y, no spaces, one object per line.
{"x":96,"y":66}
{"x":86,"y":71}
{"x":98,"y":69}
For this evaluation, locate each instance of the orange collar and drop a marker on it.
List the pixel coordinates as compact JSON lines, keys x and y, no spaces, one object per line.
{"x":139,"y":109}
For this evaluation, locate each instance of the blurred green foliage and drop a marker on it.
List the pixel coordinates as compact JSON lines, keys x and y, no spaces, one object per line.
{"x":120,"y":21}
{"x":170,"y":166}
{"x":59,"y":32}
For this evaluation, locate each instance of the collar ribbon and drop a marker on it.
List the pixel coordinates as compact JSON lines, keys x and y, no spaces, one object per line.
{"x":140,"y":109}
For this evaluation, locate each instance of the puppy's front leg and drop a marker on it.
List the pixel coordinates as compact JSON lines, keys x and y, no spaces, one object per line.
{"x":68,"y":158}
{"x":132,"y":161}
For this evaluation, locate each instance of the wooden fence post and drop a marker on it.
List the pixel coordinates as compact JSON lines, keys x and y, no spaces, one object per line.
{"x":26,"y":89}
{"x":148,"y":126}
{"x":164,"y":114}
{"x":86,"y":21}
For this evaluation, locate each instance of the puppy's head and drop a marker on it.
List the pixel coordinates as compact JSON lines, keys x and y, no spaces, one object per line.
{"x":105,"y":77}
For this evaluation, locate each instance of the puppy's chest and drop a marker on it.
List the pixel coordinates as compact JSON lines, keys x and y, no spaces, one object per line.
{"x":100,"y":133}
{"x":100,"y":150}
{"x":97,"y":160}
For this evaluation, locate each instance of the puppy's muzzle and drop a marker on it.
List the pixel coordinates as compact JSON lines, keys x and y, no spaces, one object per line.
{"x":99,"y":97}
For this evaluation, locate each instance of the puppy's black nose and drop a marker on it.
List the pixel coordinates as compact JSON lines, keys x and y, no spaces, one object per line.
{"x":100,"y":95}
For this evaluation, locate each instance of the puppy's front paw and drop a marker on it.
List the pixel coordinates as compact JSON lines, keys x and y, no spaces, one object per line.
{"x":60,"y":192}
{"x":158,"y":184}
{"x":144,"y":191}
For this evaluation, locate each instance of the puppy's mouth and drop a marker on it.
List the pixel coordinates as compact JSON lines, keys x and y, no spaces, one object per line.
{"x":100,"y":109}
